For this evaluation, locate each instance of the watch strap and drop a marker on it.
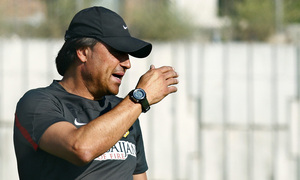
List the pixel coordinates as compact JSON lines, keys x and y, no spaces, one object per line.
{"x":144,"y":102}
{"x":145,"y":105}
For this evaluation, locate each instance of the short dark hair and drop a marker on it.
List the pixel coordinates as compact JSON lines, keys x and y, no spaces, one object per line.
{"x":67,"y":54}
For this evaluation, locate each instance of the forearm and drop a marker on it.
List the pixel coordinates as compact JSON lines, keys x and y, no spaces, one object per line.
{"x":82,"y":145}
{"x":103,"y":132}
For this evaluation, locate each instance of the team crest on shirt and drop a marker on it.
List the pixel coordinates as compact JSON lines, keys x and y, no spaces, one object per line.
{"x":120,"y":151}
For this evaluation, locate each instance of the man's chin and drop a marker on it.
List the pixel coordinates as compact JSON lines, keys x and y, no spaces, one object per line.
{"x":114,"y":92}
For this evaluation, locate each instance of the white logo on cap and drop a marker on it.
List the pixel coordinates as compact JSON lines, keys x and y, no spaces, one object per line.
{"x":125,"y":27}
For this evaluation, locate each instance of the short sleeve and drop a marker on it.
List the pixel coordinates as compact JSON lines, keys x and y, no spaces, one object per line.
{"x":36,"y":111}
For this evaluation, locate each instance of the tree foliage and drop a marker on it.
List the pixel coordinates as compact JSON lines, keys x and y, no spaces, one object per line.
{"x":256,"y":20}
{"x":292,"y":11}
{"x":155,"y":19}
{"x":59,"y":13}
{"x":159,"y":20}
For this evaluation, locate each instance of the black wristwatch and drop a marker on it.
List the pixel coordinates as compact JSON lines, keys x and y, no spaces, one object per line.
{"x":139,"y":96}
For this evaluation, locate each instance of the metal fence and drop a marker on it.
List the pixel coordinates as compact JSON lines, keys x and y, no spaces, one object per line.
{"x":235,"y":116}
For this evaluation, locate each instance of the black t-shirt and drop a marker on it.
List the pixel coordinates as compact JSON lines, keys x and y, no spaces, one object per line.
{"x":40,"y":108}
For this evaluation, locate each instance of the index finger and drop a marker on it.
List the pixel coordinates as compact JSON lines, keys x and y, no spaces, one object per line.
{"x":166,"y":69}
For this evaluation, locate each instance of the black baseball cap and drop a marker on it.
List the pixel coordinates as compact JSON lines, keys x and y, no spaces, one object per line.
{"x":108,"y":27}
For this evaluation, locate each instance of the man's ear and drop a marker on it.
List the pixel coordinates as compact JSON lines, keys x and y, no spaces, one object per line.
{"x":82,"y":54}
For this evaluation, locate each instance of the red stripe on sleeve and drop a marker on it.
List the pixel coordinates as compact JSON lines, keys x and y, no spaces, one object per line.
{"x":25,"y":133}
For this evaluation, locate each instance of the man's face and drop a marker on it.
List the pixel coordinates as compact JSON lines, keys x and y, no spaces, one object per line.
{"x":104,"y":69}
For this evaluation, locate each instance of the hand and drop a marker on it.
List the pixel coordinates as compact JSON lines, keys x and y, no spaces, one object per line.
{"x":158,"y":83}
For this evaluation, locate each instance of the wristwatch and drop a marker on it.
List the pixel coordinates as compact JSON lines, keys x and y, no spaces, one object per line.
{"x":139,"y":96}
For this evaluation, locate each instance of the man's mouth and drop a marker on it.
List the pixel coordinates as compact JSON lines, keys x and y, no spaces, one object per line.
{"x":118,"y":75}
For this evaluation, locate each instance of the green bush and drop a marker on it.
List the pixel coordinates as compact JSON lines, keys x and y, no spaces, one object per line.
{"x":292,"y":11}
{"x":255,"y":20}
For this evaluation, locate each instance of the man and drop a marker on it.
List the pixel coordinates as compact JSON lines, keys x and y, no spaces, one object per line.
{"x":77,"y":128}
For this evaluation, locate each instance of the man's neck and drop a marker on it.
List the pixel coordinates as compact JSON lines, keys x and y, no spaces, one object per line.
{"x":76,"y":87}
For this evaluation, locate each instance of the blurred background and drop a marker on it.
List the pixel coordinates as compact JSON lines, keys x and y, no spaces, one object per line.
{"x":236,"y":113}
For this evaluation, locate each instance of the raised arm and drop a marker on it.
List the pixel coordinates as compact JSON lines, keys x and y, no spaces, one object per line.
{"x":82,"y":145}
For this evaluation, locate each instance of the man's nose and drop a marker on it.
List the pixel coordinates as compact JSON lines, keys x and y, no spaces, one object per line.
{"x":126,"y":63}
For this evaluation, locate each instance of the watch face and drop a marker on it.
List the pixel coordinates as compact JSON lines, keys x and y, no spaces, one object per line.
{"x":139,"y":94}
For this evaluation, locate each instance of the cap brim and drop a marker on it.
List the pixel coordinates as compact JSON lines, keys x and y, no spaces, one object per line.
{"x":133,"y":46}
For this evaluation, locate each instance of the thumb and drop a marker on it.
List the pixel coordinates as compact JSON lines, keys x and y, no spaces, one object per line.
{"x":152,"y":66}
